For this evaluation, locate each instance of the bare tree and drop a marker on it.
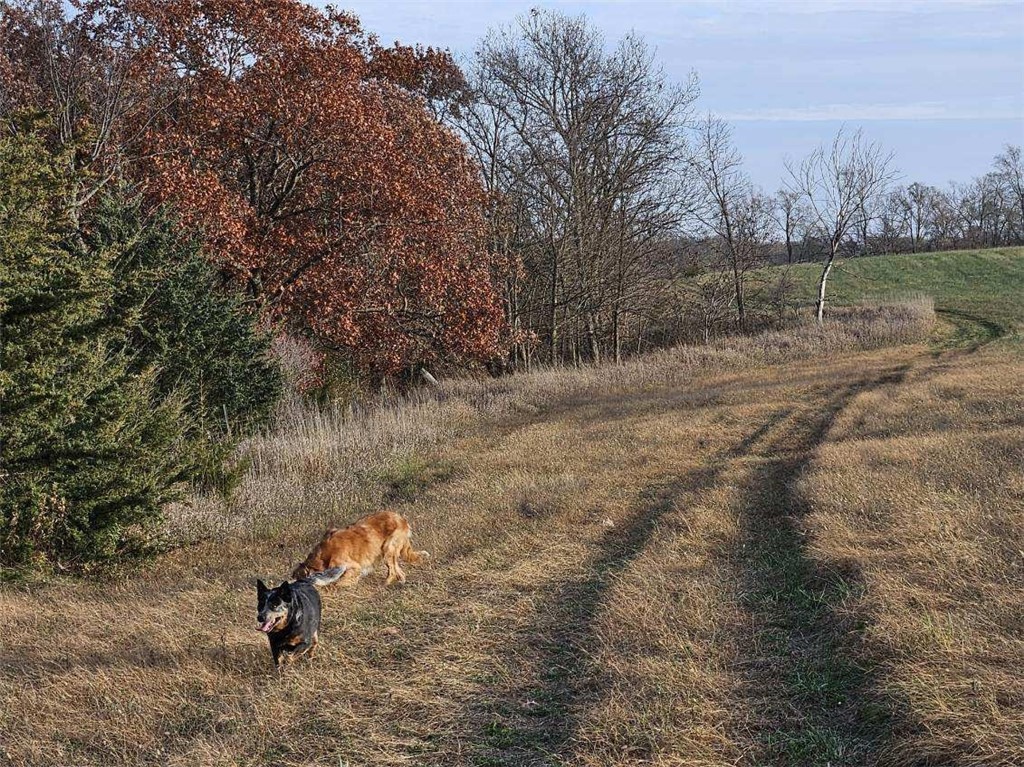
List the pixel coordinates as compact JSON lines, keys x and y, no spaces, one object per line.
{"x":709,"y":298}
{"x":739,"y":219}
{"x":718,"y":166}
{"x":946,"y":223}
{"x":93,"y":79}
{"x":916,"y":206}
{"x":985,"y":211}
{"x":586,"y":142}
{"x":788,"y":217}
{"x":1009,"y":168}
{"x":894,"y":228}
{"x":839,"y":185}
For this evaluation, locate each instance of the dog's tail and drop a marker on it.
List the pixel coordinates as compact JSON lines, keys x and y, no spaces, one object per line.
{"x":327,"y":576}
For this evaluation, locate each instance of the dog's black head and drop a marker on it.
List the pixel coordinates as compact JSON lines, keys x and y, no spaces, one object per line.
{"x":273,"y":606}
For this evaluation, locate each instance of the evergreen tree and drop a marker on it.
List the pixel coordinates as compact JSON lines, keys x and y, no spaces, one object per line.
{"x":89,"y":450}
{"x":198,"y":335}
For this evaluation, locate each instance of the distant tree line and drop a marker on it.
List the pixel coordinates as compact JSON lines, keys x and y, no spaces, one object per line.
{"x":984,"y":213}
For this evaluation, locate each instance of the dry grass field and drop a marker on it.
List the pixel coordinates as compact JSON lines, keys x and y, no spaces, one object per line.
{"x":800,"y":549}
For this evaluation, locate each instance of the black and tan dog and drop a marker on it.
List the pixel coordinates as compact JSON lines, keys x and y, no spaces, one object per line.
{"x":290,"y":615}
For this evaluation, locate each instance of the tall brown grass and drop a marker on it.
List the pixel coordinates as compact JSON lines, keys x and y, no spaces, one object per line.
{"x":317,"y":460}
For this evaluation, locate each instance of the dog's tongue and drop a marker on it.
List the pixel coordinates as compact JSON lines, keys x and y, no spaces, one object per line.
{"x":266,"y":626}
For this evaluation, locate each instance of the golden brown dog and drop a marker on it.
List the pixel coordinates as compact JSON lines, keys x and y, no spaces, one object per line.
{"x":358,"y":548}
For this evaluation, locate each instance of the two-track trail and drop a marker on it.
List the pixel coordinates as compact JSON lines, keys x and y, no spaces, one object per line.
{"x":670,"y":608}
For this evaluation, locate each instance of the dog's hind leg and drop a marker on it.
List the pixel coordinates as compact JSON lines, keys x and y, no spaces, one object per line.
{"x":412,"y":556}
{"x":313,"y":645}
{"x":395,"y":572}
{"x":391,"y":560}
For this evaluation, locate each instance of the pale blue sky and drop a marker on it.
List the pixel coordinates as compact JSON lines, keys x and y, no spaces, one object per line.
{"x":941,"y":83}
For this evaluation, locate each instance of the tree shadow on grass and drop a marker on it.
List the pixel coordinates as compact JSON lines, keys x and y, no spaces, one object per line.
{"x":535,"y":723}
{"x":811,"y":700}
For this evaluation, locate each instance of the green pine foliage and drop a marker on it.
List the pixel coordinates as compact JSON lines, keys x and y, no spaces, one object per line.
{"x":126,"y":371}
{"x":89,"y":451}
{"x":196,"y":333}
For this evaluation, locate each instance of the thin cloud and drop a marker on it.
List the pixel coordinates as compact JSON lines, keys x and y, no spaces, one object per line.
{"x":925,"y":110}
{"x":815,"y":7}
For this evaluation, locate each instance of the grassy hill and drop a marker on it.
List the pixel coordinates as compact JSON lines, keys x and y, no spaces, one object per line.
{"x":801,"y":549}
{"x":979,"y":292}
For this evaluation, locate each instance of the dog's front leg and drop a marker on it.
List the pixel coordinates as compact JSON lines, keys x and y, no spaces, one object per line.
{"x":289,"y":656}
{"x":313,"y":645}
{"x":276,"y":653}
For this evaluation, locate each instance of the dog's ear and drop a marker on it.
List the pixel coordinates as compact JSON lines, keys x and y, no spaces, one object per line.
{"x":284,"y":587}
{"x":261,"y":587}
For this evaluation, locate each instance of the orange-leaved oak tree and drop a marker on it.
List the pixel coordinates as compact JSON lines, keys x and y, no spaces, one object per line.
{"x":313,"y":162}
{"x":309,"y":156}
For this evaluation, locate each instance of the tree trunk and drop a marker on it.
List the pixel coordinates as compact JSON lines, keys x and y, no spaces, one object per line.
{"x":615,"y":336}
{"x":738,"y":285}
{"x":821,"y":285}
{"x":554,"y":306}
{"x":574,"y":344}
{"x":595,"y":347}
{"x":619,"y":283}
